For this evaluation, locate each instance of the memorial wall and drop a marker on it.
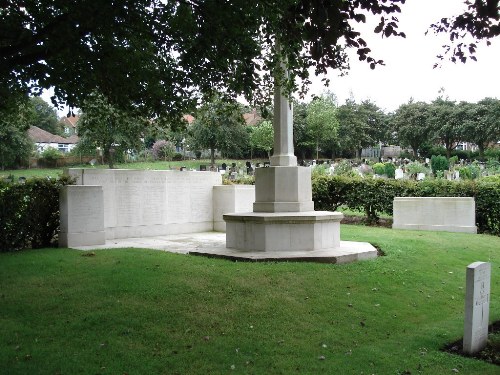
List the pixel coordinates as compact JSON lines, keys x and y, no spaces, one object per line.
{"x":142,"y":203}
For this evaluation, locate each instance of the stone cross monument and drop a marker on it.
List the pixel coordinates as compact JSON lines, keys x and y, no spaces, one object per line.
{"x":283,"y":217}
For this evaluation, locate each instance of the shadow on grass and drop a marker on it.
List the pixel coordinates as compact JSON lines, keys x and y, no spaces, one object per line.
{"x":490,"y":354}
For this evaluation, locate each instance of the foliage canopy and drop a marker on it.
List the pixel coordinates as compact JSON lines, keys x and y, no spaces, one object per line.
{"x":161,"y":56}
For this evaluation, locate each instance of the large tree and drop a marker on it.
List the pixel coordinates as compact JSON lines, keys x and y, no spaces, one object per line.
{"x":360,"y":125}
{"x":411,"y":123}
{"x":160,"y":56}
{"x":15,"y":145}
{"x":44,"y":115}
{"x":322,"y":122}
{"x":482,"y":123}
{"x":219,"y":125}
{"x":447,"y":122}
{"x":262,"y":137}
{"x":111,"y":129}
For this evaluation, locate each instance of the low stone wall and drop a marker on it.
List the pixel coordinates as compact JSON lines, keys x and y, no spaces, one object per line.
{"x":452,"y":214}
{"x":230,"y":199}
{"x":81,"y":211}
{"x":109,"y":204}
{"x":142,"y":203}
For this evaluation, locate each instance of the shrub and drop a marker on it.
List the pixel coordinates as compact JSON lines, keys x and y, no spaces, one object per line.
{"x":163,"y":149}
{"x":415,"y":168}
{"x":469,"y":172}
{"x":49,"y":157}
{"x":376,"y":196}
{"x":30,"y":212}
{"x":439,"y":163}
{"x":379,"y":168}
{"x":177,"y":157}
{"x":390,"y":170}
{"x":344,"y":168}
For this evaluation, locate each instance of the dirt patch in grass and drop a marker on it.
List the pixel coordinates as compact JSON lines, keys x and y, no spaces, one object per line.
{"x":490,"y":354}
{"x":361,"y":220}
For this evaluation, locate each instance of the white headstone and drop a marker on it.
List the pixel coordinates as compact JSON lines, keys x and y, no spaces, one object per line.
{"x":477,"y":306}
{"x":399,"y":174}
{"x":420,"y":176}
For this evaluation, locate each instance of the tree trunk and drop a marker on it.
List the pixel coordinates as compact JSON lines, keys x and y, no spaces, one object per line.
{"x":448,"y":152}
{"x":212,"y":157}
{"x":317,"y":149}
{"x":108,"y":154}
{"x":415,"y":150}
{"x":481,"y":151}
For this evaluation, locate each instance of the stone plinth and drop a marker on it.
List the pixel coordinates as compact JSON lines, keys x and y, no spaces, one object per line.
{"x":285,"y":231}
{"x":81,"y":210}
{"x":452,"y":214}
{"x":283,"y":189}
{"x":231,"y":198}
{"x":477,"y":307}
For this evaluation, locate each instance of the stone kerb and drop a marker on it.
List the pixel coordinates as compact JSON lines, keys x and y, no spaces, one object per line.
{"x":231,"y":198}
{"x":452,"y":214}
{"x":142,"y":203}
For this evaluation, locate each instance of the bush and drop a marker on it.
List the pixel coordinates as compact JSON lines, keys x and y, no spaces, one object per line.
{"x":439,"y":163}
{"x":379,"y":168}
{"x":30,"y":213}
{"x":163,"y":149}
{"x":49,"y":157}
{"x":390,"y":170}
{"x":376,"y":196}
{"x":177,"y":157}
{"x":470,"y":172}
{"x":415,"y":168}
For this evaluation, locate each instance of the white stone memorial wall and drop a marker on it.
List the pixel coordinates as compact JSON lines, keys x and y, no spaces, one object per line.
{"x":141,"y":203}
{"x":452,"y":214}
{"x":81,"y":211}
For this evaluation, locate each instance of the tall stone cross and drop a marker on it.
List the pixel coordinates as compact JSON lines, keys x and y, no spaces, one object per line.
{"x":283,"y":155}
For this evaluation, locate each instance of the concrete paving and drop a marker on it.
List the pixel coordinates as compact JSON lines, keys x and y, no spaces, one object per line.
{"x":213,"y":244}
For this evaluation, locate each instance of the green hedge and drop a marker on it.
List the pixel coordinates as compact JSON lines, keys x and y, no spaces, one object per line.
{"x":29,"y":214}
{"x":375,"y":196}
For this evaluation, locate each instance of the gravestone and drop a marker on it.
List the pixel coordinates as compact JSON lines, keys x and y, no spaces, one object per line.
{"x":203,"y":168}
{"x":399,"y":174}
{"x":223,"y":166}
{"x":477,"y":307}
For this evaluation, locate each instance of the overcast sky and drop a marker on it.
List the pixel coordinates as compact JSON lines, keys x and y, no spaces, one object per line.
{"x":409,"y":63}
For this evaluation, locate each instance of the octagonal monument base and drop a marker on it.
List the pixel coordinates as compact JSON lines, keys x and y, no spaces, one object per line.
{"x":307,"y":236}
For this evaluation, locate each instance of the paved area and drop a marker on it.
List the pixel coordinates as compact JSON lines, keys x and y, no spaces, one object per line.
{"x":213,"y":244}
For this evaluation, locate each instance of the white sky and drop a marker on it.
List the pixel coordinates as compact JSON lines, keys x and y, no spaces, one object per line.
{"x":409,"y":72}
{"x":409,"y":63}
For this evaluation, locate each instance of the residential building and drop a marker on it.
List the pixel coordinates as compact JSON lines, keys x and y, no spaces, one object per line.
{"x":43,"y":139}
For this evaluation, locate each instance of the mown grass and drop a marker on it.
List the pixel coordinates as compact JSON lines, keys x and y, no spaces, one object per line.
{"x":150,"y":312}
{"x":161,"y":165}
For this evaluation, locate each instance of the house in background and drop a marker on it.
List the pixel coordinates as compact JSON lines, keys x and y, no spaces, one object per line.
{"x":68,"y":125}
{"x":43,"y":140}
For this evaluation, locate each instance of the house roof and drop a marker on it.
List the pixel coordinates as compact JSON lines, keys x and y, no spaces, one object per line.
{"x":252,"y":118}
{"x":188,"y":118}
{"x":38,"y":135}
{"x":70,"y":121}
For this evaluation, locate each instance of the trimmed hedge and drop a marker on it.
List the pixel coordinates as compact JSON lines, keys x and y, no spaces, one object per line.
{"x":29,"y":214}
{"x":375,"y":196}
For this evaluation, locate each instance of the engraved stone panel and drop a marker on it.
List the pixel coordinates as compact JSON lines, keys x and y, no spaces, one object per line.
{"x":477,"y":307}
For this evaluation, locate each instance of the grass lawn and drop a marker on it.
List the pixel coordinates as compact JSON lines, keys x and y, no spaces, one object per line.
{"x":190,"y":164}
{"x":150,"y":312}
